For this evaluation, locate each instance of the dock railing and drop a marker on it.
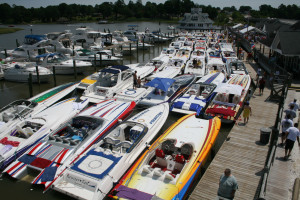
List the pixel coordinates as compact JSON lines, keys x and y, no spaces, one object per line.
{"x":273,"y":142}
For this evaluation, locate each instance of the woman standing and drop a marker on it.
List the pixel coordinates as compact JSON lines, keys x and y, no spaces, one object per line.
{"x":262,"y":83}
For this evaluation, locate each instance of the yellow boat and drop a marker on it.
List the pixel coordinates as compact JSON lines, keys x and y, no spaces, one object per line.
{"x":168,"y":168}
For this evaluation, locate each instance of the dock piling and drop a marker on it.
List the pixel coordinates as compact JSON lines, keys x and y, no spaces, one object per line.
{"x":30,"y":85}
{"x":54,"y":75}
{"x":75,"y":70}
{"x":37,"y":74}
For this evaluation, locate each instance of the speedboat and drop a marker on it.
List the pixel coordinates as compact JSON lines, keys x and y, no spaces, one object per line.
{"x":60,"y":42}
{"x":195,"y":66}
{"x":32,"y":46}
{"x":112,"y":80}
{"x":63,"y":64}
{"x":106,"y":162}
{"x":19,"y":72}
{"x":68,"y":142}
{"x":199,"y":95}
{"x":183,"y":53}
{"x":216,"y":65}
{"x":170,"y":52}
{"x":166,"y":170}
{"x":29,"y":132}
{"x":213,"y":54}
{"x":20,"y":109}
{"x":236,"y":67}
{"x":167,"y":90}
{"x":228,"y":102}
{"x":158,"y":62}
{"x":176,"y":45}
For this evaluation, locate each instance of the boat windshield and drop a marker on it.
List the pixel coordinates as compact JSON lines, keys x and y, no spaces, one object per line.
{"x":57,"y":58}
{"x":76,"y":130}
{"x":107,"y":79}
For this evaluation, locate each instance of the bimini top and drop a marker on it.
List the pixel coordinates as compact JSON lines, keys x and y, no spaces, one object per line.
{"x":36,"y":37}
{"x":47,"y":54}
{"x":115,"y":69}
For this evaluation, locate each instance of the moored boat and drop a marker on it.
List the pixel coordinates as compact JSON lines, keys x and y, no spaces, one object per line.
{"x":105,"y":162}
{"x":167,"y":169}
{"x":228,"y":102}
{"x":51,"y":155}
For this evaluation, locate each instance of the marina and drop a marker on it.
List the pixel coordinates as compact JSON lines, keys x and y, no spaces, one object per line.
{"x":147,"y":111}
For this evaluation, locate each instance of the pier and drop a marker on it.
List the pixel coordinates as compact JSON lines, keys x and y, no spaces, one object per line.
{"x":242,"y":152}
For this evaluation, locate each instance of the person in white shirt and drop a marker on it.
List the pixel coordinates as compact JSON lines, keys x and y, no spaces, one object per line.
{"x":292,"y":134}
{"x":296,"y":105}
{"x":285,"y":124}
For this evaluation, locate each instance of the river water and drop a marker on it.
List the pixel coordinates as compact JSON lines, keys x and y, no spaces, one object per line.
{"x":10,"y":91}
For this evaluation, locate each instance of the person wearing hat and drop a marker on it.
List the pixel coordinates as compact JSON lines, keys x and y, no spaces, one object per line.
{"x":247,"y":112}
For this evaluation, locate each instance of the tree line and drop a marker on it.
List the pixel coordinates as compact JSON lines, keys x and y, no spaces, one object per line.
{"x":119,"y":10}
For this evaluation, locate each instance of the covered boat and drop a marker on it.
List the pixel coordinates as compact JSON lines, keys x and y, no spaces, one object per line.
{"x":199,"y":95}
{"x":50,"y":156}
{"x":167,"y":169}
{"x":228,"y":102}
{"x":165,"y":89}
{"x":93,"y":175}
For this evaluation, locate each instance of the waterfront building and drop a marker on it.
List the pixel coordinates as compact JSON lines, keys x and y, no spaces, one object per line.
{"x":197,"y":20}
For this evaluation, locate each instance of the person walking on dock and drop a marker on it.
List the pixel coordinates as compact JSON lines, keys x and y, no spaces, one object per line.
{"x":247,"y":112}
{"x":285,"y":124}
{"x":296,"y":105}
{"x":291,"y":112}
{"x":262,"y":83}
{"x":292,"y":134}
{"x":227,"y":185}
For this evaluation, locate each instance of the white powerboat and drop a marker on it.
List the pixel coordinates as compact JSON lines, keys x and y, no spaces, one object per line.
{"x":216,"y":65}
{"x":62,"y":64}
{"x":195,"y":66}
{"x":167,"y":90}
{"x":19,"y":72}
{"x":236,"y":67}
{"x":64,"y":145}
{"x":199,"y":95}
{"x":93,"y":175}
{"x":32,"y":130}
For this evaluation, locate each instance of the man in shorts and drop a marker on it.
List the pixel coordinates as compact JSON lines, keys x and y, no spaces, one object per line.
{"x":292,"y":134}
{"x":285,"y":124}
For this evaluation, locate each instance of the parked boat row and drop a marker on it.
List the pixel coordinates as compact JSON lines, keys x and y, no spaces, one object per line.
{"x":95,"y":148}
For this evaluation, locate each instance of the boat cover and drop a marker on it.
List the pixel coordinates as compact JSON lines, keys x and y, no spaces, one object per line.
{"x":134,"y":194}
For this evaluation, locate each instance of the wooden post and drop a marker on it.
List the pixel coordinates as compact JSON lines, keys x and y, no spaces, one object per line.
{"x":28,"y":54}
{"x":17,"y":43}
{"x":95,"y":61}
{"x":82,"y":44}
{"x":73,"y":51}
{"x":100,"y":59}
{"x":130,"y":49}
{"x":112,"y":52}
{"x":37,"y":74}
{"x":5,"y":53}
{"x":30,"y":85}
{"x":54,"y":48}
{"x":54,"y":75}
{"x":143,"y":43}
{"x":137,"y":48}
{"x":75,"y":70}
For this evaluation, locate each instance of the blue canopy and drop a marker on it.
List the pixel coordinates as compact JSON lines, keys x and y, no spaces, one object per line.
{"x":120,"y":67}
{"x":36,"y":37}
{"x":110,"y":70}
{"x":161,"y":83}
{"x":46,"y":54}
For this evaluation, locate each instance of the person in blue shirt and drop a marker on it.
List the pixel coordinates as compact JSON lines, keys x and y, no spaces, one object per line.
{"x":227,"y":185}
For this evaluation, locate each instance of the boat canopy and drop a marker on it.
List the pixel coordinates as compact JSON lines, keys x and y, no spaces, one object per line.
{"x":47,"y":54}
{"x":36,"y":37}
{"x":110,"y":70}
{"x":120,"y":67}
{"x":229,"y":89}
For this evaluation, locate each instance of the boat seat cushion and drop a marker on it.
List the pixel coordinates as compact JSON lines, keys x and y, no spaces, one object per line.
{"x":159,"y":153}
{"x":49,"y":174}
{"x":27,"y":159}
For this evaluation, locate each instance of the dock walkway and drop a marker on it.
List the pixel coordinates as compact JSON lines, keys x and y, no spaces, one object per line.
{"x":241,"y":152}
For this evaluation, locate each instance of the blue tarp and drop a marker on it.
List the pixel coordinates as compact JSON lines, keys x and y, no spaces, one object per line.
{"x":27,"y":159}
{"x":161,"y":83}
{"x":99,"y":154}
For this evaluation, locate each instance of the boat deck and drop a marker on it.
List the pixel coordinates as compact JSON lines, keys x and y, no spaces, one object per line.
{"x":241,"y":152}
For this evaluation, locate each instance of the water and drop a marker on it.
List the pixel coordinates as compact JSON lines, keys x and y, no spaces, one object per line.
{"x":9,"y":91}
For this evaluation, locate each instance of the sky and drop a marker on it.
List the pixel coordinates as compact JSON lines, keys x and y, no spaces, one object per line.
{"x":215,"y":3}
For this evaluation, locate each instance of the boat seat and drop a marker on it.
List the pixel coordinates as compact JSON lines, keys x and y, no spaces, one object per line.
{"x":51,"y":137}
{"x":74,"y":142}
{"x":236,"y":99}
{"x":20,"y":108}
{"x":7,"y":116}
{"x":118,"y":133}
{"x":160,"y":158}
{"x":111,"y":140}
{"x":179,"y":163}
{"x":135,"y":133}
{"x":146,"y":169}
{"x":28,"y":131}
{"x":21,"y":131}
{"x":58,"y":139}
{"x":186,"y":150}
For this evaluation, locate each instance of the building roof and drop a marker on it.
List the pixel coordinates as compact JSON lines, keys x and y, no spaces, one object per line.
{"x":287,"y":43}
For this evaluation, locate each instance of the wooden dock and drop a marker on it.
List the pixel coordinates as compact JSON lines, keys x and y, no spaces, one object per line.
{"x":242,"y":152}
